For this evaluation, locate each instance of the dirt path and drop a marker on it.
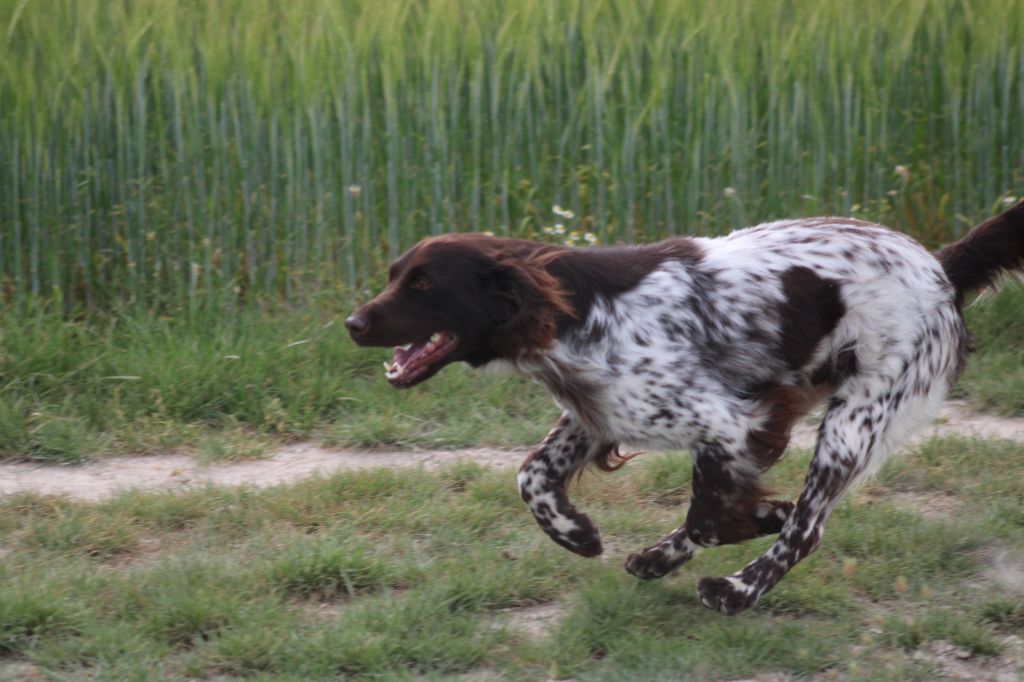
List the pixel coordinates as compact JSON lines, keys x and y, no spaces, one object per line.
{"x":103,"y":478}
{"x":955,"y":419}
{"x":106,"y":477}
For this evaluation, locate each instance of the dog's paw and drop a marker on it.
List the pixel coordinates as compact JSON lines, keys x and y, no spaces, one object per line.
{"x":653,"y":562}
{"x":646,"y":565}
{"x":770,"y":516}
{"x":726,"y":595}
{"x":586,"y":545}
{"x":582,"y":539}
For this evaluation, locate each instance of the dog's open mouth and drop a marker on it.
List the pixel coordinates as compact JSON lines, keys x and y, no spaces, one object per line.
{"x":413,"y":362}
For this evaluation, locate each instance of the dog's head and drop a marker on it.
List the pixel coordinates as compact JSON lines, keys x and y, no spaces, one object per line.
{"x":463,"y":297}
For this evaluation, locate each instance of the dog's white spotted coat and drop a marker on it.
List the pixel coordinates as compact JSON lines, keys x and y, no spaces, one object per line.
{"x":683,"y":360}
{"x":713,"y":345}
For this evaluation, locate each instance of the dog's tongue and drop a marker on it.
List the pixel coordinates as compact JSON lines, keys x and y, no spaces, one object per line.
{"x":410,"y":357}
{"x":404,"y":353}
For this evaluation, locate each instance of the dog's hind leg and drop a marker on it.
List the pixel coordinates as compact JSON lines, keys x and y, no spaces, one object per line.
{"x":867,"y":417}
{"x":542,"y":478}
{"x":727,"y":506}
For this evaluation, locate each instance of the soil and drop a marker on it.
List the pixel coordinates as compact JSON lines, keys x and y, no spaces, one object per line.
{"x":20,"y":671}
{"x":1005,"y":567}
{"x":534,"y":621}
{"x":933,"y":506}
{"x":956,"y":663}
{"x":105,"y":477}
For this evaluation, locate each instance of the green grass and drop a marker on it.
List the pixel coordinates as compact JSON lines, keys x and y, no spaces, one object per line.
{"x":235,"y":387}
{"x":995,"y":373}
{"x":997,"y":497}
{"x":160,"y":154}
{"x":397,"y":574}
{"x":192,"y":194}
{"x":231,"y":388}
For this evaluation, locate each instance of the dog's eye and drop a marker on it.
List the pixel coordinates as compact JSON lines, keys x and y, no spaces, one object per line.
{"x":421,"y":283}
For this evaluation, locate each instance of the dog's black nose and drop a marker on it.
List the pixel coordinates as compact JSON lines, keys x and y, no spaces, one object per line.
{"x":356,"y":324}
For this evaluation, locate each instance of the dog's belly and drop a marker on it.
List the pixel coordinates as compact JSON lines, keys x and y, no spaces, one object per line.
{"x":659,"y":410}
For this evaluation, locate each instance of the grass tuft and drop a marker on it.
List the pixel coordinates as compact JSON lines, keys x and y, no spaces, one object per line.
{"x":27,"y":618}
{"x":327,"y":568}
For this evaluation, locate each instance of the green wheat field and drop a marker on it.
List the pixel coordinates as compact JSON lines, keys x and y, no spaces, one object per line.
{"x":195,"y":193}
{"x":157,"y":152}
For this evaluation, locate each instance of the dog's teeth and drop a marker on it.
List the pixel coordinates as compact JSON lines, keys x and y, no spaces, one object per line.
{"x":387,"y":366}
{"x":406,"y":346}
{"x":435,"y":338}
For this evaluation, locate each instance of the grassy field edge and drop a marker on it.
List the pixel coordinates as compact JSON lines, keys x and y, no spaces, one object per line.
{"x":228,"y":386}
{"x":412,"y":574}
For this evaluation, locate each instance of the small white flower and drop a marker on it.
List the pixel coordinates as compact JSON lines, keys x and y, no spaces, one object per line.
{"x":355,"y":190}
{"x":892,"y":192}
{"x":1009,"y":201}
{"x":549,"y":230}
{"x":855,"y":208}
{"x":488,"y":233}
{"x":807,"y":197}
{"x":729,"y":192}
{"x":558,"y":229}
{"x":903,"y":172}
{"x":563,"y":212}
{"x":590,"y":237}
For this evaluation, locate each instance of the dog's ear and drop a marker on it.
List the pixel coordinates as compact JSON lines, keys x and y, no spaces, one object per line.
{"x":507,"y":288}
{"x":525,"y":303}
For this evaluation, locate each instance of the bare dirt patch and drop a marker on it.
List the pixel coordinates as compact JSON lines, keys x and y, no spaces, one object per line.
{"x":932,"y":506}
{"x":956,"y":663}
{"x":104,"y":478}
{"x":533,"y":621}
{"x":20,"y":671}
{"x":1005,"y":568}
{"x":322,"y":610}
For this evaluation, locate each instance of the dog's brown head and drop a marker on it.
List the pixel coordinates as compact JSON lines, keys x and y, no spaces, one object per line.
{"x":463,"y":297}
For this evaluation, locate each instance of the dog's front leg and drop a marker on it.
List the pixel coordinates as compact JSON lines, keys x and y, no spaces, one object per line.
{"x":542,"y":477}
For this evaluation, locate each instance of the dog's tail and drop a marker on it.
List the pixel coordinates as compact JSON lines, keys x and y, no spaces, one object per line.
{"x":994,"y":247}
